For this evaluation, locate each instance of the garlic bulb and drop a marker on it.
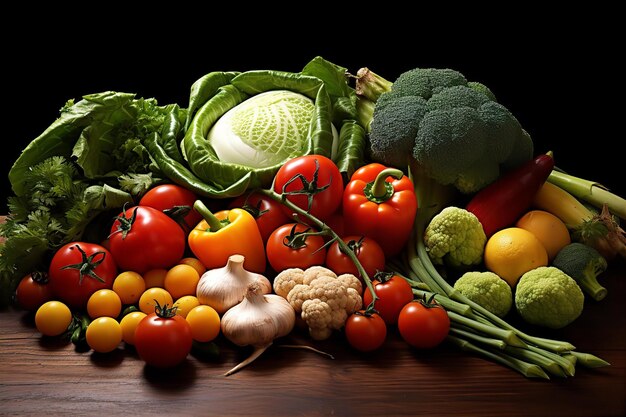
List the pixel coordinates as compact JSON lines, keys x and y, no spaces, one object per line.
{"x":257,"y":321}
{"x":222,"y":288}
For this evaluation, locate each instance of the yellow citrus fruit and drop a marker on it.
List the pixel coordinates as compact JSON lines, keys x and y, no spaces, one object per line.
{"x":512,"y":252}
{"x":549,"y":229}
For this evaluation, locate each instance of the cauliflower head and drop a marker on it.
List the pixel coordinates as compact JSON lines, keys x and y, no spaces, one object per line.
{"x":548,"y":297}
{"x":323,"y":299}
{"x":456,"y":238}
{"x":486,"y":289}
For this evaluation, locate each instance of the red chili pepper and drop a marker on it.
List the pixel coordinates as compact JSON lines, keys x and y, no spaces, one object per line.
{"x":502,"y":202}
{"x":380,"y":203}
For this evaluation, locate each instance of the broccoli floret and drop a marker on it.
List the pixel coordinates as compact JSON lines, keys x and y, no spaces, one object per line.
{"x":584,"y":264}
{"x":486,"y":289}
{"x":461,"y":136}
{"x":546,"y":296}
{"x":455,"y":237}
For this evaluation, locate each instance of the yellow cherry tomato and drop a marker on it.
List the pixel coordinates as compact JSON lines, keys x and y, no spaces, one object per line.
{"x":204,"y":322}
{"x":185,"y":303}
{"x":195,"y":263}
{"x":150,"y":297}
{"x":155,"y":278}
{"x":129,"y":323}
{"x":53,"y":318}
{"x":181,"y":280}
{"x":104,"y":303}
{"x":129,"y":285}
{"x":104,"y":334}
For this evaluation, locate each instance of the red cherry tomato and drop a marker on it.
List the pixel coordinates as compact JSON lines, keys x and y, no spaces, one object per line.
{"x":423,"y":324}
{"x":144,"y":238}
{"x":269,"y":214}
{"x":309,"y":172}
{"x":163,"y":339}
{"x":290,"y":246}
{"x":175,"y":201}
{"x":393,"y":292}
{"x":79,"y":269}
{"x":368,"y":252}
{"x":365,"y":332}
{"x":33,"y":290}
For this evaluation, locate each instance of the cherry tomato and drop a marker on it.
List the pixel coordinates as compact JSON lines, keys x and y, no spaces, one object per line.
{"x":129,"y":324}
{"x":290,"y":246}
{"x":155,"y":277}
{"x":129,"y":286}
{"x":104,"y":334}
{"x":143,"y":238}
{"x":79,"y":269}
{"x":195,"y":263}
{"x":176,"y":202}
{"x":423,"y":324}
{"x":53,"y":318}
{"x":185,"y":304}
{"x":204,"y":322}
{"x":309,"y":173}
{"x":393,"y":292}
{"x":163,"y":339}
{"x":368,"y":252}
{"x":269,"y":214}
{"x":33,"y":290}
{"x":181,"y":280}
{"x":365,"y":331}
{"x":152,"y":297}
{"x":104,"y":303}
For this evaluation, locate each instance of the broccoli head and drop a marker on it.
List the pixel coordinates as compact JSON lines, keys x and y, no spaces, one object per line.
{"x":454,"y":129}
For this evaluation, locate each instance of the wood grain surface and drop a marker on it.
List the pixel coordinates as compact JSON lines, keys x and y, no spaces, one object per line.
{"x":45,"y":376}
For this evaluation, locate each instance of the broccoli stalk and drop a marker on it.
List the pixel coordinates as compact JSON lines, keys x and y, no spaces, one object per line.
{"x":583,"y":263}
{"x":431,"y":122}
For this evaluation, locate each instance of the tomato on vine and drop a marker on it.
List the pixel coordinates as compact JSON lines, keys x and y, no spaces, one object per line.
{"x":311,"y":182}
{"x":175,"y":201}
{"x":393,"y":292}
{"x":368,"y":252}
{"x":295,"y":245}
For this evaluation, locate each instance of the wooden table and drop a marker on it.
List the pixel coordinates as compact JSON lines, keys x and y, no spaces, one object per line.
{"x":41,"y":376}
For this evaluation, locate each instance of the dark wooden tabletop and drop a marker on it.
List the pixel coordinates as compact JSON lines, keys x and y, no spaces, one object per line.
{"x":42,"y":376}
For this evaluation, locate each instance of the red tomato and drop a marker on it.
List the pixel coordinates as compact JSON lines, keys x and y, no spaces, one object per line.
{"x":365,"y":331}
{"x":336,"y":222}
{"x":368,"y":252}
{"x":33,"y":290}
{"x":163,"y":339}
{"x":316,"y":174}
{"x":269,"y":214}
{"x":175,"y":201}
{"x":393,"y":292}
{"x":423,"y":324}
{"x":79,"y":269}
{"x":143,"y":238}
{"x":290,"y":247}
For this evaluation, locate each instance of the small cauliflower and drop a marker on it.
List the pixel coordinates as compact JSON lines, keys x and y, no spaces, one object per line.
{"x":546,"y":296}
{"x":486,"y":289}
{"x":323,"y":299}
{"x":455,"y":237}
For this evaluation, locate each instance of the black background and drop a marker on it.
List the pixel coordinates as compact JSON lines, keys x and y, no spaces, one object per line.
{"x":559,"y":76}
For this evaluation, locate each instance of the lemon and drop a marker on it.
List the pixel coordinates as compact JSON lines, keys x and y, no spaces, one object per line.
{"x":512,"y":252}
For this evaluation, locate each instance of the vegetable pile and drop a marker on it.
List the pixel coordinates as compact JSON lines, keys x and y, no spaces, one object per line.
{"x":279,"y":202}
